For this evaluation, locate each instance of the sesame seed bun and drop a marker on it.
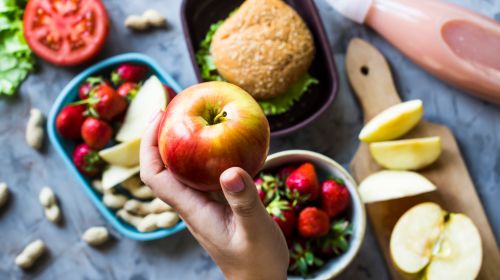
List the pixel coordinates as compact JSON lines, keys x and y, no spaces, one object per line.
{"x":264,"y":47}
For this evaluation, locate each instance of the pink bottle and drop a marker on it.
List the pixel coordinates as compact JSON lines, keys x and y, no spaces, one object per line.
{"x":454,"y":44}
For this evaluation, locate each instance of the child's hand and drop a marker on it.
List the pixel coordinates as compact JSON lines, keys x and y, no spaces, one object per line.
{"x":236,"y":231}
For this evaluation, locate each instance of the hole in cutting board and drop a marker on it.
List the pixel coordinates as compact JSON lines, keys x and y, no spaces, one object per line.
{"x":364,"y":70}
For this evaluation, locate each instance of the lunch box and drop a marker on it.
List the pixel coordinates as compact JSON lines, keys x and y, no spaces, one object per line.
{"x":65,"y":147}
{"x":198,"y":15}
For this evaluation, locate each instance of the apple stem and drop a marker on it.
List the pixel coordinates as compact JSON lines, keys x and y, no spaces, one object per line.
{"x":220,"y":117}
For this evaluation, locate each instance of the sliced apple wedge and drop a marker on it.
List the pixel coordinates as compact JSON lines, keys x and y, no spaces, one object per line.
{"x":393,"y":122}
{"x":459,"y":253}
{"x":386,"y":185}
{"x":124,"y":154}
{"x":411,"y":154}
{"x":414,"y":236}
{"x":151,"y":98}
{"x":433,"y":244}
{"x":115,"y":174}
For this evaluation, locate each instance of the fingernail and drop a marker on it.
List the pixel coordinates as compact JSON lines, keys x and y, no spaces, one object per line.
{"x":153,"y":116}
{"x":233,"y":182}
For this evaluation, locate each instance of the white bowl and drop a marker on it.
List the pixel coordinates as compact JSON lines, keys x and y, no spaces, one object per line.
{"x":324,"y":167}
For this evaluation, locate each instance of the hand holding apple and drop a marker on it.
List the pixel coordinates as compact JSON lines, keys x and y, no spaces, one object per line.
{"x":223,"y":225}
{"x":209,"y":128}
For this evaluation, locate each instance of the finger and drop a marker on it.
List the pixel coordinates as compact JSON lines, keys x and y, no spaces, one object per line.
{"x":150,"y":160}
{"x":242,"y":197}
{"x":153,"y":172}
{"x":183,"y":199}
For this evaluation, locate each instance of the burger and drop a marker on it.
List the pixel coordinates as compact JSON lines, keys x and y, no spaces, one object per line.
{"x":263,"y":47}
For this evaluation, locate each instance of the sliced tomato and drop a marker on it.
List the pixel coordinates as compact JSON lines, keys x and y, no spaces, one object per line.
{"x":65,"y":32}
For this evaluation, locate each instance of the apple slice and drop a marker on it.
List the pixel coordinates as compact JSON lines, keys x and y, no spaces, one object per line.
{"x":412,"y":154}
{"x":414,"y":236}
{"x":124,"y":154}
{"x":393,"y":122}
{"x":386,"y":185}
{"x":433,"y":244}
{"x":459,"y":252}
{"x":115,"y":174}
{"x":151,"y":98}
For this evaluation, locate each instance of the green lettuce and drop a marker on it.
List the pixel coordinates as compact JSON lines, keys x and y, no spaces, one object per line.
{"x":274,"y":106}
{"x":284,"y":102}
{"x":16,"y":60}
{"x":205,"y":59}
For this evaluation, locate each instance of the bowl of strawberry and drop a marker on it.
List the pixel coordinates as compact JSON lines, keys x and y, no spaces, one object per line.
{"x":315,"y":203}
{"x":96,"y":125}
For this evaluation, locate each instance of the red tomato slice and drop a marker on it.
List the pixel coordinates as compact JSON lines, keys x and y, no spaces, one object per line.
{"x":65,"y":32}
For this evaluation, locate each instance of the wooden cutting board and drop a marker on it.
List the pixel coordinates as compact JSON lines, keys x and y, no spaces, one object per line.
{"x":371,"y":79}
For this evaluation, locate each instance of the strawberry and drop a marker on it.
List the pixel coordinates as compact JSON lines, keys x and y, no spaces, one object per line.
{"x":87,"y":160}
{"x":283,"y":214}
{"x":335,"y":197}
{"x":84,"y":90}
{"x":129,"y":72}
{"x":262,"y":194}
{"x":118,"y":120}
{"x":128,"y":90}
{"x":69,"y":121}
{"x":171,"y":92}
{"x":313,"y":222}
{"x":96,"y":133}
{"x":305,"y":181}
{"x":258,"y":181}
{"x":336,"y":242}
{"x":260,"y":189}
{"x":89,"y":84}
{"x":104,"y":102}
{"x":302,"y":258}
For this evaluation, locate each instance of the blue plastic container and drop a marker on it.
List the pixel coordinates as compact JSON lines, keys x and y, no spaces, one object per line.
{"x":65,"y":148}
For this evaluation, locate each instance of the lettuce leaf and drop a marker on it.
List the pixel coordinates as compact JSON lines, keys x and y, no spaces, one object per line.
{"x":284,"y":102}
{"x":204,"y":58}
{"x":16,"y":60}
{"x":271,"y":107}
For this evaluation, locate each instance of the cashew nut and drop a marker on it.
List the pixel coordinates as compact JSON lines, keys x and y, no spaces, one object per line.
{"x":137,"y":189}
{"x":167,"y":219}
{"x":34,"y":129}
{"x":150,"y":18}
{"x":144,"y":208}
{"x":48,"y":200}
{"x":150,"y":222}
{"x":96,"y":236}
{"x":30,"y":254}
{"x":136,"y":221}
{"x":53,"y":213}
{"x":154,"y":18}
{"x":110,"y":197}
{"x":136,"y":22}
{"x":4,"y":194}
{"x":156,"y":221}
{"x":114,"y":200}
{"x":97,"y":185}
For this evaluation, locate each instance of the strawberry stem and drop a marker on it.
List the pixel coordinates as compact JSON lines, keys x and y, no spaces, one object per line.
{"x":115,"y":78}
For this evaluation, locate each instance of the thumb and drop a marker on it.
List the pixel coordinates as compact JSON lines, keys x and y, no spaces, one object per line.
{"x":241,"y":194}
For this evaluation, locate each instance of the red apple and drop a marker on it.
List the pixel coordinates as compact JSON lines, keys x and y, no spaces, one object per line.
{"x":209,"y":128}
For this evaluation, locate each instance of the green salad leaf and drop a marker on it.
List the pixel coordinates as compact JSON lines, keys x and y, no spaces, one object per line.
{"x":284,"y":102}
{"x":205,"y":59}
{"x":16,"y":60}
{"x":275,"y":106}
